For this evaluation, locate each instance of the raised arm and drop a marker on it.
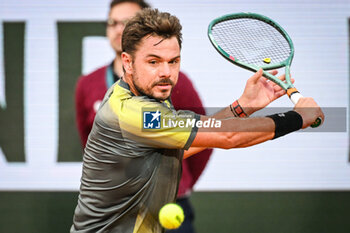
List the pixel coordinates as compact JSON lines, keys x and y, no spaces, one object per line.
{"x":237,"y":132}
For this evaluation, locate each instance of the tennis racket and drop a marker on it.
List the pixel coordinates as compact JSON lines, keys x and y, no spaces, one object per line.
{"x":253,"y":41}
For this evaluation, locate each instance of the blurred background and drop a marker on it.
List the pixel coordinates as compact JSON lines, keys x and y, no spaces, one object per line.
{"x":298,"y":183}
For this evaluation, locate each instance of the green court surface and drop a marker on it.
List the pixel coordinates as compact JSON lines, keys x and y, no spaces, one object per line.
{"x":216,"y":212}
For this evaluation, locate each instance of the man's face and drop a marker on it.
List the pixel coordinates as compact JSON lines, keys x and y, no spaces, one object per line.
{"x":116,"y":23}
{"x":155,"y":66}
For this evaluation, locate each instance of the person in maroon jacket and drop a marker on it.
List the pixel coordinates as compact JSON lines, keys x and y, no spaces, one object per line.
{"x":91,"y":89}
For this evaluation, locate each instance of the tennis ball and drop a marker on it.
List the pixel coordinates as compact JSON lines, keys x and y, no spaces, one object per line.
{"x":171,"y":216}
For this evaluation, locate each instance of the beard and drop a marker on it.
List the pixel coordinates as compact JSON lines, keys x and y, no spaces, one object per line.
{"x":148,"y":92}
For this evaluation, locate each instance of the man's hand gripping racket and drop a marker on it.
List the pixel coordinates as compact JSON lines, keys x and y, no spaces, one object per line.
{"x":255,"y":42}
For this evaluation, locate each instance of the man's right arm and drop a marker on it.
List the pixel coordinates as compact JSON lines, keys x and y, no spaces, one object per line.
{"x":244,"y":132}
{"x":235,"y":133}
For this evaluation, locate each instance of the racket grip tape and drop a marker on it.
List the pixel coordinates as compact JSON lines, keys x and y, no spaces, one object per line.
{"x":295,"y":96}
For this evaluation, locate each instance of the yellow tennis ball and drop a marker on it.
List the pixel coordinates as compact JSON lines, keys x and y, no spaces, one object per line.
{"x":171,"y":216}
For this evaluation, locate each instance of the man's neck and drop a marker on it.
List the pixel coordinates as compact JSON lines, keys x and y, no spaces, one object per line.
{"x":128,"y":79}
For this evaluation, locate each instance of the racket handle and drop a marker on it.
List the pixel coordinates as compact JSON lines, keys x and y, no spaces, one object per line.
{"x":295,"y":97}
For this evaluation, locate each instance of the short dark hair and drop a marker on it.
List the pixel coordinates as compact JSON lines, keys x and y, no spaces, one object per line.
{"x":150,"y":22}
{"x":141,"y":3}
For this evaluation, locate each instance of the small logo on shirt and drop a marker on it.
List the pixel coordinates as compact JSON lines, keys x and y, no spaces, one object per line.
{"x":97,"y":105}
{"x":151,"y":119}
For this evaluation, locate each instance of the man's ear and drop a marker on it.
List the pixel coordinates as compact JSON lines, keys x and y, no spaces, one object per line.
{"x":127,"y":62}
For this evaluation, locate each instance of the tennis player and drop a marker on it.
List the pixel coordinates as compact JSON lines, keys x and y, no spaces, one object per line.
{"x":91,"y":88}
{"x":132,"y":160}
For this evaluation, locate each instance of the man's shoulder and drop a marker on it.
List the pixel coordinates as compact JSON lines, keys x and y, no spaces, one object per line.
{"x":184,"y":78}
{"x":184,"y":82}
{"x":96,"y":75}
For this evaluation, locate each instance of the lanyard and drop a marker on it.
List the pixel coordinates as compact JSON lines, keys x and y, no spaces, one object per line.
{"x":109,"y":76}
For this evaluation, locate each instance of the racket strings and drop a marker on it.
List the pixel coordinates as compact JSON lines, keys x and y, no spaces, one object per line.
{"x":251,"y":41}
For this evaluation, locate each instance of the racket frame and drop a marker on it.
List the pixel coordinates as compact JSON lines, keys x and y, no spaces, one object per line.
{"x":287,"y":85}
{"x":286,"y":63}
